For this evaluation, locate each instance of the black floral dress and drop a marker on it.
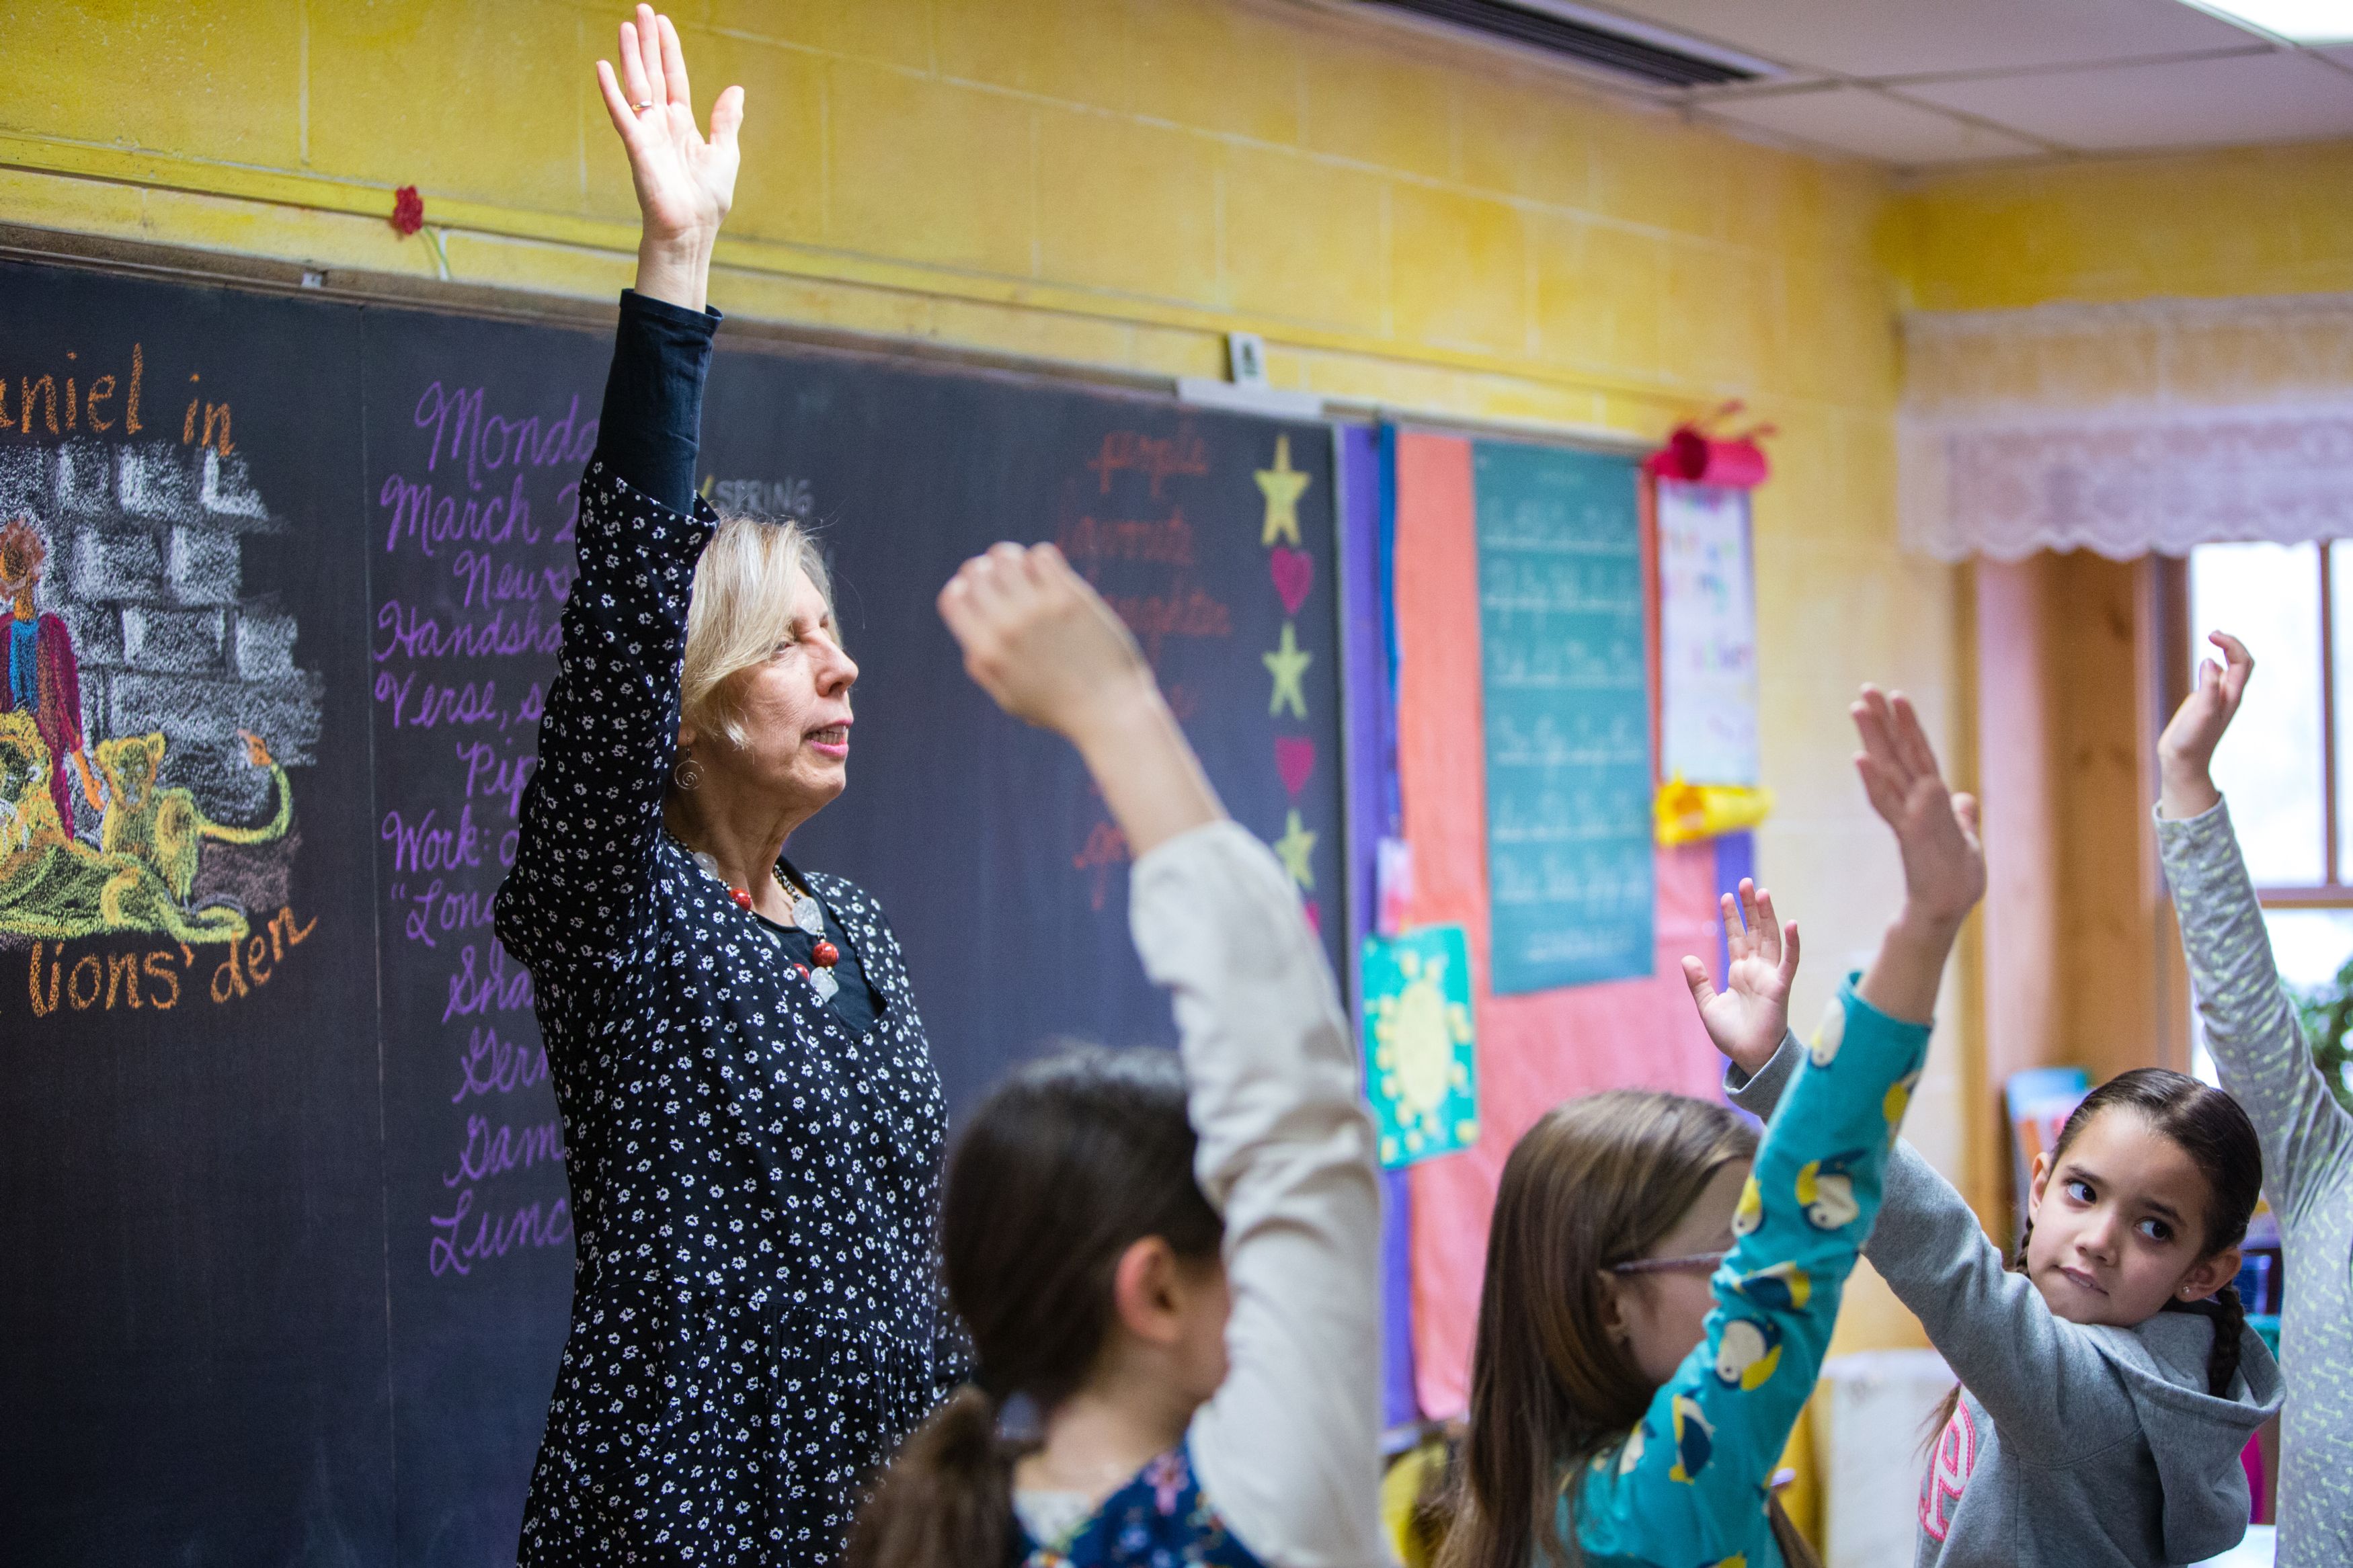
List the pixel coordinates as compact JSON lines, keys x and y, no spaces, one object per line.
{"x":757,"y":1317}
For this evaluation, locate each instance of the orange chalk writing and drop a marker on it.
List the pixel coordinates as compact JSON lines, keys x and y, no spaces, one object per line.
{"x":87,"y":401}
{"x":1166,"y":541}
{"x":1156,"y":458}
{"x":136,"y":979}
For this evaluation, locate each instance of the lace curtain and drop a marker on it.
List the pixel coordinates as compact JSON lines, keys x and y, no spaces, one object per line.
{"x":2125,"y":428}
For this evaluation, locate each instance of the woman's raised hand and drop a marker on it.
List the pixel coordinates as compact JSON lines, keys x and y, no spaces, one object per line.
{"x":2185,"y":752}
{"x":1747,"y":1018}
{"x":1045,"y":646}
{"x":685,"y":184}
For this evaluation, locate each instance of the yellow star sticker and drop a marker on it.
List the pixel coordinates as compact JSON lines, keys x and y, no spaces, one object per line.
{"x":1287,"y":664}
{"x":1282,"y":485}
{"x":1295,"y":846}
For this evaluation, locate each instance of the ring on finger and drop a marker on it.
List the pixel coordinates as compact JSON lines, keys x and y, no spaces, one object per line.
{"x":645,"y":105}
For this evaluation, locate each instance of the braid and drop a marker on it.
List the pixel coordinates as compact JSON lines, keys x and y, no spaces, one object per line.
{"x":2229,"y":1330}
{"x":2230,"y":1320}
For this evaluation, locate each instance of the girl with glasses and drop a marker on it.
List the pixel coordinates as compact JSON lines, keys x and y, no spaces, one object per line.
{"x":1662,"y":1285}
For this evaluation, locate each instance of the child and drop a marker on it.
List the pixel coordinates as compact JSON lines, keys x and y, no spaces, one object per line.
{"x":2092,"y":1426}
{"x":1197,"y":1361}
{"x":1654,"y":1310}
{"x":2307,"y":1138}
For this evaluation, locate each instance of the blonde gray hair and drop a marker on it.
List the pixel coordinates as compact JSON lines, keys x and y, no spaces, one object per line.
{"x":740,"y":610}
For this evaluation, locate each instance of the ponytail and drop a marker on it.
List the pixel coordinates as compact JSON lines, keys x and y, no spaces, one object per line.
{"x":947,"y":1500}
{"x":1069,"y":1162}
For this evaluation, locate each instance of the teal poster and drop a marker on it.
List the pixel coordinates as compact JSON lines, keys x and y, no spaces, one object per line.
{"x":1420,"y":1067}
{"x":1565,"y":686}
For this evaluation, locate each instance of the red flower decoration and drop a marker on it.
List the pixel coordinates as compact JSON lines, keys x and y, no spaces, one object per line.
{"x":407,"y":210}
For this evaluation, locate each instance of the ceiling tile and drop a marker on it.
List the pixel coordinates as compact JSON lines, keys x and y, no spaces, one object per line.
{"x":1909,"y":37}
{"x":1869,"y":125}
{"x":2280,"y":97}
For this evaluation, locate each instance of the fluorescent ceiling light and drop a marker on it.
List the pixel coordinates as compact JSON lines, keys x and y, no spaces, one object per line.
{"x":2297,"y":21}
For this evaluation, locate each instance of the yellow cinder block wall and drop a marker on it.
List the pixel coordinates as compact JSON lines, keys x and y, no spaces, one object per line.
{"x":1117,"y":182}
{"x":2256,"y":220}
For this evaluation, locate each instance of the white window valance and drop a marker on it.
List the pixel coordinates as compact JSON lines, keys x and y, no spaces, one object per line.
{"x":2153,"y":424}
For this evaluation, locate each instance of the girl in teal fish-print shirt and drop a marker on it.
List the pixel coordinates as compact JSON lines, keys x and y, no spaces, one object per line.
{"x":1661,"y":1285}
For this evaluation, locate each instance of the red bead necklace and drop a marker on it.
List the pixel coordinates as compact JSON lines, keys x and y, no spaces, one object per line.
{"x":809,"y":917}
{"x":824,"y":953}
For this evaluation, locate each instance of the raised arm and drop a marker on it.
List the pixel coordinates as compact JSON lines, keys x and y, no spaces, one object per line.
{"x":609,"y":736}
{"x":2030,"y":1369}
{"x":1990,"y":1324}
{"x":1944,"y":863}
{"x":1288,"y":1446}
{"x":1715,"y":1430}
{"x":2250,"y":1021}
{"x":685,"y":181}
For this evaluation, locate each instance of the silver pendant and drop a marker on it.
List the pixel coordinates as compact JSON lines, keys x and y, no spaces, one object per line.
{"x":825,"y":985}
{"x":809,"y":914}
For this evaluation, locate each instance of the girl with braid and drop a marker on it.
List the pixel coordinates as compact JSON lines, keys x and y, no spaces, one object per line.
{"x":2109,"y":1380}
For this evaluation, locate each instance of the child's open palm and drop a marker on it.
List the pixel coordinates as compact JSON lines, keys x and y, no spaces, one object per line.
{"x":1936,"y":830}
{"x":1747,"y":1018}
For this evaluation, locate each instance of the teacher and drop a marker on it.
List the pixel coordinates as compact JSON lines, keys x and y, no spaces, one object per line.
{"x":752,"y":1125}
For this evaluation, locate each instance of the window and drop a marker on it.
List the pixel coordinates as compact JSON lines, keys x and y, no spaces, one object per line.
{"x":2287,"y":767}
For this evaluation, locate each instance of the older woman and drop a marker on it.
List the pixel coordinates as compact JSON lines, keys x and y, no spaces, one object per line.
{"x":751,"y":1119}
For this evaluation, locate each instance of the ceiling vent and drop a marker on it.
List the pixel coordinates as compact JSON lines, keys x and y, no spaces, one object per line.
{"x":1591,"y":39}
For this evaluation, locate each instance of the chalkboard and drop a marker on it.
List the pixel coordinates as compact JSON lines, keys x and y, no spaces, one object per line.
{"x":984,"y":839}
{"x":1567,"y":716}
{"x":193,"y":1307}
{"x":288,"y":1226}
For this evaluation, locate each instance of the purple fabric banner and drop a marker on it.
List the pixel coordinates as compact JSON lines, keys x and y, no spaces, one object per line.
{"x":1370,"y":741}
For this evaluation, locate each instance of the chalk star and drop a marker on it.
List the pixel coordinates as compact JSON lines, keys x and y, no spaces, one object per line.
{"x":1282,"y":485}
{"x":1294,"y":848}
{"x":1287,"y":664}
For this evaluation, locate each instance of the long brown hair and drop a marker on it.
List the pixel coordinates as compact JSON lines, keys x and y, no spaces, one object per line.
{"x":1067,"y":1163}
{"x":2212,"y":1129}
{"x":1599,"y":1181}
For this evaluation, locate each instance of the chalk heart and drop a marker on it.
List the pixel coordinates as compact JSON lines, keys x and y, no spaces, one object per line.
{"x":1294,"y":759}
{"x":1295,"y":574}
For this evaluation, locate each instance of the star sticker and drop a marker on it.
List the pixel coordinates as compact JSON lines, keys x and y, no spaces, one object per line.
{"x":1294,"y":848}
{"x":1287,"y":664}
{"x":1282,"y":485}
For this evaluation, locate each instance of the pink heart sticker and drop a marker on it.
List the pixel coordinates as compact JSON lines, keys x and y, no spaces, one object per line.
{"x":1295,"y":574}
{"x":1294,"y":759}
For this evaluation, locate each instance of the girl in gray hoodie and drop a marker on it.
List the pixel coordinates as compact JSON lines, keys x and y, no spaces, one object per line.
{"x":2105,"y":1394}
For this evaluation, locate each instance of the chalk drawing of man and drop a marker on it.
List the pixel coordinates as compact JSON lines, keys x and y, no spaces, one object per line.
{"x":44,"y":678}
